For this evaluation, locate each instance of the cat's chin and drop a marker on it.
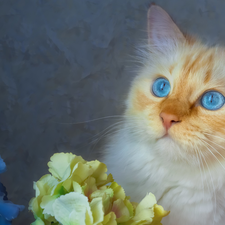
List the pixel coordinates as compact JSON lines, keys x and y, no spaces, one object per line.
{"x":166,"y":139}
{"x":165,"y":136}
{"x":169,"y":146}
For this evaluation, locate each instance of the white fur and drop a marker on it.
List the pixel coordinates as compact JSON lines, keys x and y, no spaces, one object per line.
{"x":192,"y":197}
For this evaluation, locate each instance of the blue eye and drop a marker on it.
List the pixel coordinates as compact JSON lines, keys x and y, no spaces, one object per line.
{"x":212,"y":100}
{"x":161,"y":87}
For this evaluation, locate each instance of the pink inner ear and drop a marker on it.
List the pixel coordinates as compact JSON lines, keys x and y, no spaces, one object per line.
{"x":162,"y":31}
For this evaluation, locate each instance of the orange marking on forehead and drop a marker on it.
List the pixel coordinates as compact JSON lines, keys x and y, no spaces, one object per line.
{"x":192,"y":65}
{"x":141,"y":101}
{"x":171,"y":68}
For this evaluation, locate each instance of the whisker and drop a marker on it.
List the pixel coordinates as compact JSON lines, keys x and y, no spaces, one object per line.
{"x":214,"y":136}
{"x":217,"y":144}
{"x":196,"y":150}
{"x":92,"y":120}
{"x":214,"y":214}
{"x":213,"y":154}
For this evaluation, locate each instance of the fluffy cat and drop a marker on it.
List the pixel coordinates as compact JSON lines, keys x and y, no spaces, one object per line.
{"x":172,"y":140}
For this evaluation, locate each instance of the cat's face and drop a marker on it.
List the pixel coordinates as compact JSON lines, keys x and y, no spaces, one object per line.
{"x":180,"y":124}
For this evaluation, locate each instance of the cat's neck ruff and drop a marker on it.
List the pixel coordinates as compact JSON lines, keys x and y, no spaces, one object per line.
{"x":138,"y":167}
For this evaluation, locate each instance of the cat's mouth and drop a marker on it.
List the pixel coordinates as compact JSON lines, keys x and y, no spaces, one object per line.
{"x":166,"y":135}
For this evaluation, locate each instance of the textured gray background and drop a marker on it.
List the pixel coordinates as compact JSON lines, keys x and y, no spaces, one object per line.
{"x":64,"y":62}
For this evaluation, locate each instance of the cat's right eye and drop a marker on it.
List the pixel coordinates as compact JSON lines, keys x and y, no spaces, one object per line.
{"x":161,"y":87}
{"x":212,"y":100}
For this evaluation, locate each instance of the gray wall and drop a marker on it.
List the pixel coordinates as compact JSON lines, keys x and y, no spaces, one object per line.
{"x":64,"y":62}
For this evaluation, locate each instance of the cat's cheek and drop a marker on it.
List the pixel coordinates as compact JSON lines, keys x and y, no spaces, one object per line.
{"x":158,"y":132}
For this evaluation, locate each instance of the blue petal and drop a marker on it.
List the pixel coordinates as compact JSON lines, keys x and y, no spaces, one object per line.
{"x":9,"y":210}
{"x":3,"y":221}
{"x":3,"y":192}
{"x":2,"y":165}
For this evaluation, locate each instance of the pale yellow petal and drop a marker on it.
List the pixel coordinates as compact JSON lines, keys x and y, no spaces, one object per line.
{"x":77,"y":188}
{"x":89,"y":186}
{"x":47,"y":204}
{"x":129,"y":207}
{"x":34,"y":206}
{"x":145,"y":214}
{"x":101,"y":193}
{"x":121,"y":211}
{"x":81,"y":172}
{"x":45,"y":185}
{"x":71,"y":209}
{"x":159,"y":213}
{"x":110,"y":219}
{"x":119,"y":192}
{"x":68,"y":185}
{"x":147,"y":202}
{"x":99,"y":173}
{"x":97,"y":210}
{"x":59,"y":166}
{"x":38,"y":221}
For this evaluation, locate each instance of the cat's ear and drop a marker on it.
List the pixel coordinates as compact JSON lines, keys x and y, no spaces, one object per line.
{"x":163,"y":33}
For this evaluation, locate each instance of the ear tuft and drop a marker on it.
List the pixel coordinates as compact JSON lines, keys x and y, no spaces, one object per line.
{"x":163,"y":33}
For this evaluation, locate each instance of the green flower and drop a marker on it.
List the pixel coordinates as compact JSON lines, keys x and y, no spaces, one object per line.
{"x":78,"y":192}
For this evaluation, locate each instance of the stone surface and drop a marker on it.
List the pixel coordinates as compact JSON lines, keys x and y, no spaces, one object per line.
{"x":67,"y":62}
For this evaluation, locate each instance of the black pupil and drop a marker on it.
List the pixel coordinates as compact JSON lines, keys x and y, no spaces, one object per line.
{"x":211,"y":98}
{"x":163,"y":85}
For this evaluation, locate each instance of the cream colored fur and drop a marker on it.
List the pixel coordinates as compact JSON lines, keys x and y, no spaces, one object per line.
{"x":185,"y":170}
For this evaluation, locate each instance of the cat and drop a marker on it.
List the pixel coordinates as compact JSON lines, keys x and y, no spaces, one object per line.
{"x":171,"y":142}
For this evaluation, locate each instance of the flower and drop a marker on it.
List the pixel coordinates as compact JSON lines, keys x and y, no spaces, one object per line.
{"x":2,"y":165}
{"x":79,"y":192}
{"x":8,"y":210}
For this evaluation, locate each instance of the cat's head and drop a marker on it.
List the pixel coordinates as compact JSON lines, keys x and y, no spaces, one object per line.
{"x":176,"y":100}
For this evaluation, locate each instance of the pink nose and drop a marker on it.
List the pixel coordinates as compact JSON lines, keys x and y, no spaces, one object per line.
{"x":168,"y":119}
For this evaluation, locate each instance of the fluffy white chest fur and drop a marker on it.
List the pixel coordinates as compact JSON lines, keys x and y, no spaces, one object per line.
{"x":192,"y":195}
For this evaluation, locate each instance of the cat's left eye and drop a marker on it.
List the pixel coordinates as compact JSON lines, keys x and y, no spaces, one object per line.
{"x":212,"y":100}
{"x":161,"y":87}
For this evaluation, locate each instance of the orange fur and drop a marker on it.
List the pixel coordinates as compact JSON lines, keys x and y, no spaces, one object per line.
{"x":199,"y":69}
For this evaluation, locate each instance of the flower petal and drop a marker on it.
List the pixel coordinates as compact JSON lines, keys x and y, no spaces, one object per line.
{"x":159,"y":213}
{"x":59,"y":166}
{"x":145,"y":215}
{"x":144,"y":211}
{"x":99,"y":173}
{"x":9,"y":210}
{"x":121,"y":211}
{"x":45,"y":185}
{"x":90,"y":186}
{"x":77,"y":188}
{"x":119,"y":192}
{"x":3,"y":221}
{"x":2,"y":166}
{"x":72,"y":209}
{"x":110,"y":219}
{"x":47,"y":204}
{"x":97,"y":210}
{"x":147,"y":202}
{"x":38,"y":221}
{"x":81,"y":172}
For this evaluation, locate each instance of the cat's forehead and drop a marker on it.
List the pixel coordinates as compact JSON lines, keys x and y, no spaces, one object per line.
{"x":196,"y":69}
